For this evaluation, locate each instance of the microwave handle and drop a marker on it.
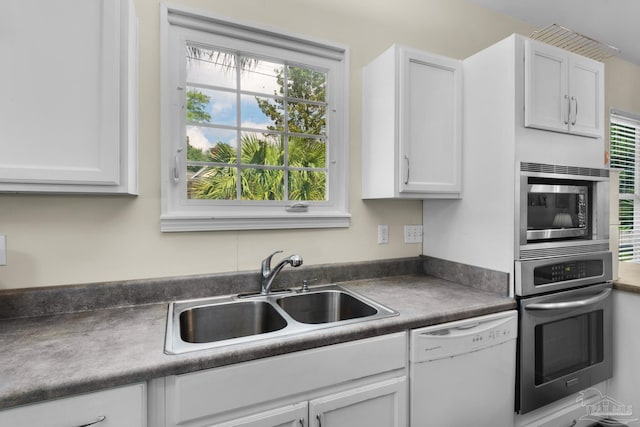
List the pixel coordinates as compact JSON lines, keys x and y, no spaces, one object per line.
{"x":569,"y":304}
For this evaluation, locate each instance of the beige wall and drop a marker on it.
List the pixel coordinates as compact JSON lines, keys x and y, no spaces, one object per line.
{"x":622,"y":86}
{"x":55,"y":240}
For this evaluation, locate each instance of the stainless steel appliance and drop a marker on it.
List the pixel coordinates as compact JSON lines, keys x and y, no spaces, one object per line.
{"x":562,"y":210}
{"x":557,"y":210}
{"x":564,"y":343}
{"x":544,"y":275}
{"x":462,"y":373}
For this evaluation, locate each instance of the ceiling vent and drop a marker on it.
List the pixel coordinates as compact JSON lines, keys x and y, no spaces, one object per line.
{"x":572,"y":41}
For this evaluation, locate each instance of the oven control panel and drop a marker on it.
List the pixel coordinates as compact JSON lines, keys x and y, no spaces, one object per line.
{"x":541,"y":275}
{"x":565,"y":271}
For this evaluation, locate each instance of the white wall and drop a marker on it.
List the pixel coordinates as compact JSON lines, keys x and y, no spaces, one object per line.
{"x":623,"y":387}
{"x":55,"y":240}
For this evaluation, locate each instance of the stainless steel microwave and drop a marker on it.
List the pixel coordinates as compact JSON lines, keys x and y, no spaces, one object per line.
{"x":562,"y":207}
{"x":557,"y":209}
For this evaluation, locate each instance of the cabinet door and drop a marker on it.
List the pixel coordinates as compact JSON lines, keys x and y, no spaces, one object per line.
{"x":64,"y":114}
{"x":586,"y":92}
{"x":430,"y":130}
{"x":287,"y":416}
{"x":120,"y":407}
{"x":546,"y":87}
{"x":383,"y":404}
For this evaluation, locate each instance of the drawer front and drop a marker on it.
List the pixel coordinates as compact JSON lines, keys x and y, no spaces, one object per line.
{"x":214,"y":391}
{"x":120,"y":407}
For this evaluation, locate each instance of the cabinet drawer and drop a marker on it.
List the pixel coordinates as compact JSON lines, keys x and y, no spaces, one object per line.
{"x":120,"y":407}
{"x":214,"y":391}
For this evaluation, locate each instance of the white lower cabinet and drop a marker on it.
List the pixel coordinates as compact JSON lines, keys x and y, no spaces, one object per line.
{"x":356,"y":383}
{"x":287,"y":416}
{"x":118,"y":407}
{"x":380,"y":404}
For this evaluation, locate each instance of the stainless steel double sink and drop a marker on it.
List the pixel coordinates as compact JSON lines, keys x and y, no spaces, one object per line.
{"x":219,"y":321}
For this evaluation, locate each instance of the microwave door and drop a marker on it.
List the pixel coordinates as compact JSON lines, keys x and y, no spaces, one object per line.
{"x":556,"y":212}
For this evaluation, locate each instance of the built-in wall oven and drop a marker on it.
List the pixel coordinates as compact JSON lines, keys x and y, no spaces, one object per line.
{"x":564,"y":306}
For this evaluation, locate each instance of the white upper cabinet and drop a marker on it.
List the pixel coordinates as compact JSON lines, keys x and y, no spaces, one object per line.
{"x":412,"y":125}
{"x":68,"y":111}
{"x":564,"y":92}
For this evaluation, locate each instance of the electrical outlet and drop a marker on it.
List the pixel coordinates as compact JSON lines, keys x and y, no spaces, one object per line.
{"x":413,"y":234}
{"x":383,"y":234}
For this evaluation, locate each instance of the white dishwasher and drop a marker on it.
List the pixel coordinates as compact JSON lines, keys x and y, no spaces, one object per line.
{"x":462,"y":374}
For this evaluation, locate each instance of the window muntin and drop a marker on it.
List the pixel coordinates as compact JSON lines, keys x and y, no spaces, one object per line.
{"x":267,"y":129}
{"x":271,"y":130}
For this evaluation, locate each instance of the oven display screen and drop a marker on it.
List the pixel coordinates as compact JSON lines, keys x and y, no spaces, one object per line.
{"x":565,"y":271}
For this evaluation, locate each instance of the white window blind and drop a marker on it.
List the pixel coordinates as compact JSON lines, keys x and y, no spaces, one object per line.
{"x":625,"y":147}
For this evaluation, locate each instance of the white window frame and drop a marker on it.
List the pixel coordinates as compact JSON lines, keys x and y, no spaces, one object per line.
{"x":180,"y":26}
{"x":629,"y":242}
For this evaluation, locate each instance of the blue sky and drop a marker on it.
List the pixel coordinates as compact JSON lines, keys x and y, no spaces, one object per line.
{"x":223,"y":111}
{"x":223,"y":104}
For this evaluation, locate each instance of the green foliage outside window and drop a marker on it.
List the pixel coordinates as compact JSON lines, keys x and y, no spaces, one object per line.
{"x":299,"y":117}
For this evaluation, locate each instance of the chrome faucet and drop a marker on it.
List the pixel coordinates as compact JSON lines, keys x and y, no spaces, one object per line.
{"x":267,"y":275}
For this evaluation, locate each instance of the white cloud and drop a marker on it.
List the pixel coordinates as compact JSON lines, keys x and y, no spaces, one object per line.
{"x":206,"y":138}
{"x":222,"y":102}
{"x":197,"y":138}
{"x":255,"y":125}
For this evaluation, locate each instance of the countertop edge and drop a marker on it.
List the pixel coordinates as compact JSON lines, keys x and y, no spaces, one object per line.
{"x":626,"y":287}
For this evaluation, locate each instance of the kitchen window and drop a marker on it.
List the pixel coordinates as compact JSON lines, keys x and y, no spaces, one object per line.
{"x":624,"y":147}
{"x":254,"y":127}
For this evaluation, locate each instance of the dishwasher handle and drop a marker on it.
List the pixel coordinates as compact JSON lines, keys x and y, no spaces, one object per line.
{"x":465,"y":329}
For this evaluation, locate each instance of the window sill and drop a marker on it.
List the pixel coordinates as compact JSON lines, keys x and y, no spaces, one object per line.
{"x":177,"y":223}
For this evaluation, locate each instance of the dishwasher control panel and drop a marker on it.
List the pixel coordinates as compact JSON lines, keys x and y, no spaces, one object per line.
{"x":464,"y":336}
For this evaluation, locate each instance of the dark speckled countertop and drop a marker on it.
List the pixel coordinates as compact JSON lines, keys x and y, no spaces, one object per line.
{"x":52,"y":356}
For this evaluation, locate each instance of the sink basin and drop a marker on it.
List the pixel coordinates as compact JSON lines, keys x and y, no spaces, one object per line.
{"x":220,"y":321}
{"x":325,"y":307}
{"x":231,"y":320}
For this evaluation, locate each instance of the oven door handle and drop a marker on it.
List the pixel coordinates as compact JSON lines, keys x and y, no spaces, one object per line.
{"x":569,"y":304}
